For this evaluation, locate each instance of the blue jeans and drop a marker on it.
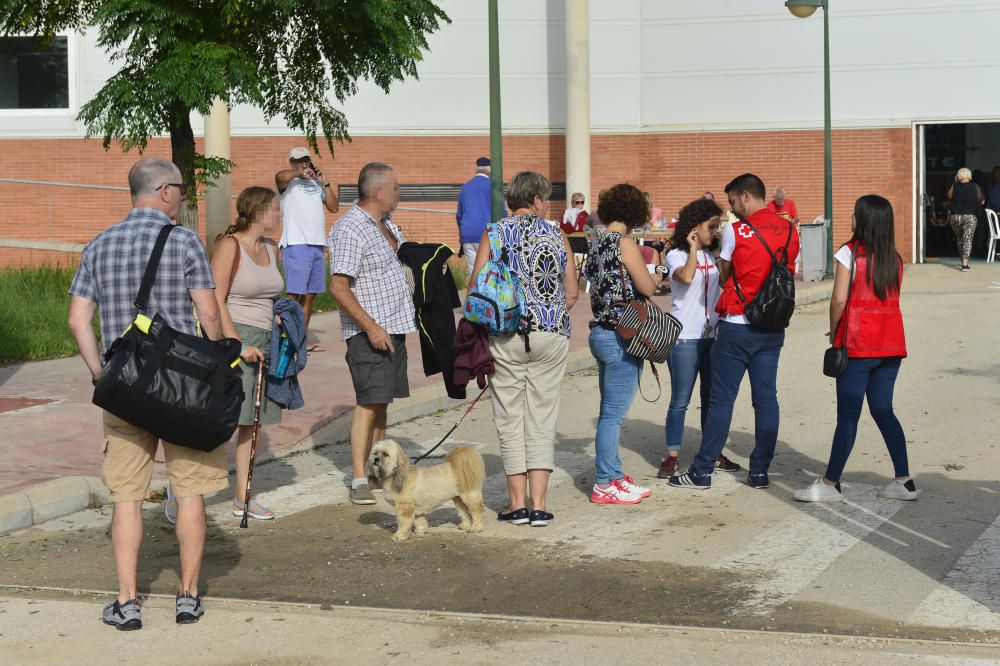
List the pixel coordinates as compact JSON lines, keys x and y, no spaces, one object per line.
{"x":875,"y":377}
{"x":739,"y":349}
{"x":688,"y":360}
{"x":618,"y":379}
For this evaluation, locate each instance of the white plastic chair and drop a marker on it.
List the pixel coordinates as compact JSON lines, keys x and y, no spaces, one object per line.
{"x":993,"y":222}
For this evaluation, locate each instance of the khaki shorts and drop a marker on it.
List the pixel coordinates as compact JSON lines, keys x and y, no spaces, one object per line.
{"x":128,"y":464}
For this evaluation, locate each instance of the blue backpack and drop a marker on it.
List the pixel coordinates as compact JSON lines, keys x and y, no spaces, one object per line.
{"x":495,"y":299}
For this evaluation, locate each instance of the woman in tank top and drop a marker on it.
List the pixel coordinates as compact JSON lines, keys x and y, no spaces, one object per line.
{"x":966,"y":200}
{"x":247,"y":282}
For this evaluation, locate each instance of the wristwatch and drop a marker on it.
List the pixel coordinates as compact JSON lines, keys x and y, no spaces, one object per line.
{"x":93,"y":380}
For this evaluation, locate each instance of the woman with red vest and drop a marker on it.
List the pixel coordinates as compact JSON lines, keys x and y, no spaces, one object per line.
{"x":866,"y":317}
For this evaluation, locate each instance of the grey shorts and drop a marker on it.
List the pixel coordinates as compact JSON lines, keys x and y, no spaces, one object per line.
{"x":378,"y":376}
{"x":270,"y":411}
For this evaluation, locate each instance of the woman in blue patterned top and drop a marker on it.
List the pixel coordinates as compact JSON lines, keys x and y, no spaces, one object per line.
{"x":530,"y":369}
{"x":617,"y":274}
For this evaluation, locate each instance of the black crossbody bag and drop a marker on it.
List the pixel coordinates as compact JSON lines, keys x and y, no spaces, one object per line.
{"x":182,"y":388}
{"x":835,"y":358}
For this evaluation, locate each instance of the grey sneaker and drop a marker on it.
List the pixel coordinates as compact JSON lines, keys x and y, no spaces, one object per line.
{"x":189,"y":609}
{"x":362,"y":495}
{"x":124,"y":617}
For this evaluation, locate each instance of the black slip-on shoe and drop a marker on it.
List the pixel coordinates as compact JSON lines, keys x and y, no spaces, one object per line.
{"x":540,"y":518}
{"x":515,"y":517}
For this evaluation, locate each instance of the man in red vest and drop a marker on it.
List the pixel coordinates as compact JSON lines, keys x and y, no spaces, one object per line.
{"x":744,"y":263}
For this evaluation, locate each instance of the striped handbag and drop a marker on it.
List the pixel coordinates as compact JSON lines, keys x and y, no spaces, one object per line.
{"x":649,"y":332}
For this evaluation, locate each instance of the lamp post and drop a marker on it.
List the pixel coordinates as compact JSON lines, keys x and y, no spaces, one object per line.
{"x":496,"y":133}
{"x":805,"y":9}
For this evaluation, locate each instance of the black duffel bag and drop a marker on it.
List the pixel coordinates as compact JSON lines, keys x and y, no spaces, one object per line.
{"x":182,"y":388}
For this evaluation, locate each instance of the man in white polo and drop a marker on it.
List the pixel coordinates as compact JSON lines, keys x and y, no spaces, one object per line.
{"x":304,"y":192}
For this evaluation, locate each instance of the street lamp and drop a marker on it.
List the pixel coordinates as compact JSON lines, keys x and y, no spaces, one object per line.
{"x":496,"y":132}
{"x":805,"y":9}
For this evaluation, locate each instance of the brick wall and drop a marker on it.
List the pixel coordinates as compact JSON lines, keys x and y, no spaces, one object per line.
{"x":674,"y":168}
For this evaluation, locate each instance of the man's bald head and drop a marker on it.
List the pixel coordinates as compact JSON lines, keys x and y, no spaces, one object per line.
{"x":779,"y":196}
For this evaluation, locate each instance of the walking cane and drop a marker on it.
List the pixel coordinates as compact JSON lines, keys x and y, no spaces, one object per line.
{"x":253,"y":441}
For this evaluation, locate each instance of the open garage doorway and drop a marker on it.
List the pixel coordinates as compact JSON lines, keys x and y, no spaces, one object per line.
{"x":943,"y":149}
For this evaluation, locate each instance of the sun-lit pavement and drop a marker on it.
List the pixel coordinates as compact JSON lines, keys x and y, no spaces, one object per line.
{"x":731,"y":558}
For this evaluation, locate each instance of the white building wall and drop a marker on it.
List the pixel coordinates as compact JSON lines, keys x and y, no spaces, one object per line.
{"x":661,"y":65}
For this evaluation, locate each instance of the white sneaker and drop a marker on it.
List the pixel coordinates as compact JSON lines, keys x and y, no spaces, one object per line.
{"x":818,"y":491}
{"x":635,"y":488}
{"x":615,"y":493}
{"x":900,"y":491}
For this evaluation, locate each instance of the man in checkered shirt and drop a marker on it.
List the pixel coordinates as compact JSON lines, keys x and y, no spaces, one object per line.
{"x":376,"y":311}
{"x":108,"y":280}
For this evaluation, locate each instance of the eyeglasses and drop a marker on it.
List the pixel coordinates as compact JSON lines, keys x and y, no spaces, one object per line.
{"x":578,"y":203}
{"x":180,"y":186}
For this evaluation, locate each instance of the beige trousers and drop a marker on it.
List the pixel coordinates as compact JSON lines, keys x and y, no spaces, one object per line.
{"x":525,"y":394}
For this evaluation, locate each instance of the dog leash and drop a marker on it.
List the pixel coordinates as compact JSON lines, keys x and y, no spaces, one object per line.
{"x":453,"y":428}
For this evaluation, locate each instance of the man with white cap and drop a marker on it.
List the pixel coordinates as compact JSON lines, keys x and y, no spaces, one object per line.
{"x":304,"y":192}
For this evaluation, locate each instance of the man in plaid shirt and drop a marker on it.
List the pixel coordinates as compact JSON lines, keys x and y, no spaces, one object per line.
{"x":108,"y":280}
{"x":376,"y":311}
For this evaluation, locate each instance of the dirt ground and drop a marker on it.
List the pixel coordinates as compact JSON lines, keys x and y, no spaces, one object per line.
{"x":731,"y":557}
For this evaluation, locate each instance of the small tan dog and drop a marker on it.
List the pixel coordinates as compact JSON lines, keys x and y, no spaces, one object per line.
{"x":416,"y":491}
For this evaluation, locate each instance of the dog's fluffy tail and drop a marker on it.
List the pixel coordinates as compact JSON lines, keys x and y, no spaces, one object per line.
{"x":468,"y":467}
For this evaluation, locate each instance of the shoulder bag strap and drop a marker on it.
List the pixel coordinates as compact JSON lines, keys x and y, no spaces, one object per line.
{"x":774,"y":259}
{"x":763,"y":242}
{"x":149,"y":276}
{"x":237,"y":260}
{"x":656,"y":375}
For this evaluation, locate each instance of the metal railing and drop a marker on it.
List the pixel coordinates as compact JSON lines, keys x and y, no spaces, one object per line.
{"x":60,"y":246}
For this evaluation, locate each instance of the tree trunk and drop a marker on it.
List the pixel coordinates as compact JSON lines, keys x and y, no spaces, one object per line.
{"x":182,"y":154}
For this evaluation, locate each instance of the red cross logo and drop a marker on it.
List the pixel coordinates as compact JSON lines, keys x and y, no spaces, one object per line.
{"x":745,"y":231}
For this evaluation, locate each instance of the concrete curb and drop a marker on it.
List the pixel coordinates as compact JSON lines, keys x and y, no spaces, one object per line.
{"x":71,"y":494}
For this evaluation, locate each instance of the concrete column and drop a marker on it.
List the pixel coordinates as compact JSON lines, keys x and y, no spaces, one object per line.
{"x":217,"y":199}
{"x":578,"y":100}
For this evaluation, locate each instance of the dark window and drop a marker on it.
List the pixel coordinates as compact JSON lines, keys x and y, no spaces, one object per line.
{"x":34,"y":73}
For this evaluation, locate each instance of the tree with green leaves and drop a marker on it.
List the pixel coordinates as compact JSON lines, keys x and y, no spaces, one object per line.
{"x":289,"y":58}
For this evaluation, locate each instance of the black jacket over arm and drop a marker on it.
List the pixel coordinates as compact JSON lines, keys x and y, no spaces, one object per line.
{"x":435,"y":297}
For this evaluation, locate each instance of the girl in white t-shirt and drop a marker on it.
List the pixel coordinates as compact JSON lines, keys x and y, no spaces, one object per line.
{"x":694,"y":285}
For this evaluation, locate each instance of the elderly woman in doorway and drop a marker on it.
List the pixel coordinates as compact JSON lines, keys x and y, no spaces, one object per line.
{"x":530,"y":365}
{"x":966,"y":200}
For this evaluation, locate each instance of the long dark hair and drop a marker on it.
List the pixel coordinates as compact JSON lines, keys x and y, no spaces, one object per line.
{"x":697,"y":212}
{"x":874,"y":229}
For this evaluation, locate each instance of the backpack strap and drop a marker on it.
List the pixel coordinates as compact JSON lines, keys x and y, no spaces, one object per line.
{"x":774,"y":259}
{"x":149,"y":275}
